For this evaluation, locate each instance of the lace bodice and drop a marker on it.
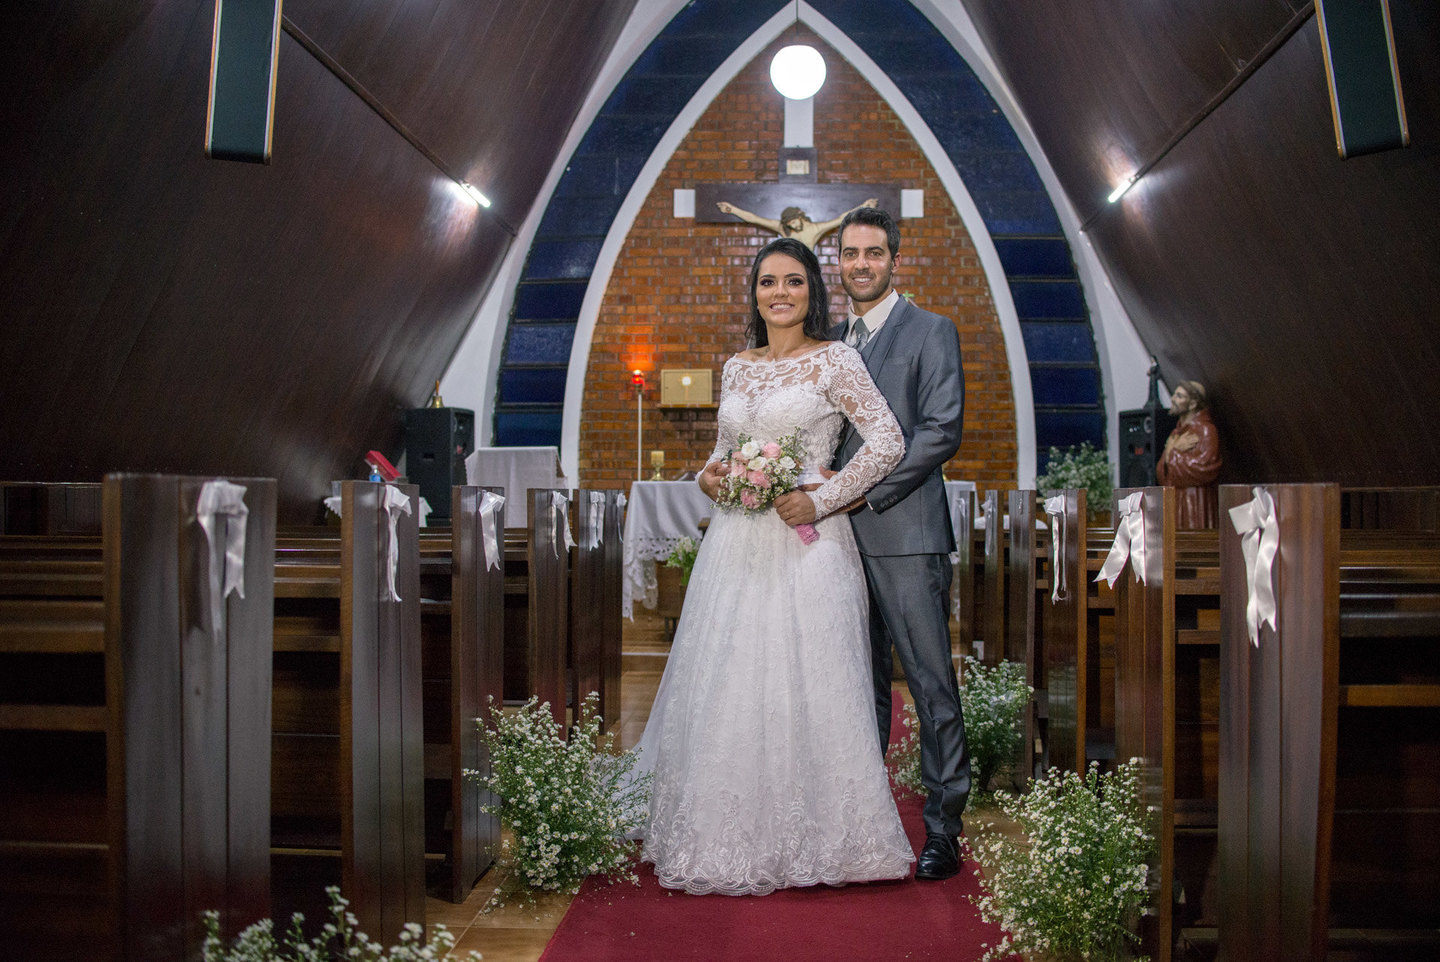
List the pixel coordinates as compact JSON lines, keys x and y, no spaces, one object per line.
{"x":816,"y":393}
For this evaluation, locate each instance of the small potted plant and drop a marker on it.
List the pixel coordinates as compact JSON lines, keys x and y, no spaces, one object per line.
{"x":1081,"y":466}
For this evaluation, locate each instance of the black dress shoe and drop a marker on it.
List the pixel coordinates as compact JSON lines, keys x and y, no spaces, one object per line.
{"x":939,"y":859}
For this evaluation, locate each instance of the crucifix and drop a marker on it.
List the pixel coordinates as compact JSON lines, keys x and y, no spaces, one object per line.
{"x":795,"y":205}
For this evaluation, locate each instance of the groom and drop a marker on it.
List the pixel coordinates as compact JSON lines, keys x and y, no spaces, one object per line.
{"x":903,"y":525}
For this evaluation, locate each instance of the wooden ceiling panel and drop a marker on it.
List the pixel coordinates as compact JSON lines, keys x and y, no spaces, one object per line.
{"x":168,"y":312}
{"x":1106,"y":85}
{"x":488,"y":86}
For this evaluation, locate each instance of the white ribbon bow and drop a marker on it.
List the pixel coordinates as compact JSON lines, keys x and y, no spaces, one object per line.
{"x":223,"y":498}
{"x":620,"y":502}
{"x":1055,"y":509}
{"x":597,"y":519}
{"x":394,"y":501}
{"x":1259,"y":531}
{"x":1129,"y":542}
{"x":559,"y":505}
{"x":490,"y":505}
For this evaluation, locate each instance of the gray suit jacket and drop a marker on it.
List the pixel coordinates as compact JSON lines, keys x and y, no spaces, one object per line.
{"x":915,"y":362}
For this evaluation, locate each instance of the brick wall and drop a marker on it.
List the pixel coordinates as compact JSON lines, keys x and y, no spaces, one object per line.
{"x":678,"y":297}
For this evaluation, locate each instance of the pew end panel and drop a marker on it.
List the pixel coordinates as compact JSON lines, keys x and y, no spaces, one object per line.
{"x":134,"y":726}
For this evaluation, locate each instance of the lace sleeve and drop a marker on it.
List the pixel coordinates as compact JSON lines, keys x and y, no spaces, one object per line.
{"x":725,"y":440}
{"x":850,"y":388}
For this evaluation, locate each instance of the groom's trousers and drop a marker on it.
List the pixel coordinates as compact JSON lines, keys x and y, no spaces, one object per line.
{"x":909,"y":609}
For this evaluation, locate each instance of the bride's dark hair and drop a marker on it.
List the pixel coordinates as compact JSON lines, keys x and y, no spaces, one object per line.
{"x":817,"y":318}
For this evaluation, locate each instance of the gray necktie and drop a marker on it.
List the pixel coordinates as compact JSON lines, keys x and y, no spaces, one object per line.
{"x":858,"y":334}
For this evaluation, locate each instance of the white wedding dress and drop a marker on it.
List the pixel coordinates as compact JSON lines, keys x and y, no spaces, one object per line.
{"x":762,"y":738}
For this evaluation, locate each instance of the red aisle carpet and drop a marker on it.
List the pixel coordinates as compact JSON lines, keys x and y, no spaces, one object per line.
{"x":879,"y":921}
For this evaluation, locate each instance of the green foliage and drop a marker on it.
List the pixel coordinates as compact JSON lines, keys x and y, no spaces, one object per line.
{"x":994,"y":701}
{"x":1082,"y":466}
{"x":683,"y":557}
{"x":1070,"y":888}
{"x":339,"y":939}
{"x":568,"y":804}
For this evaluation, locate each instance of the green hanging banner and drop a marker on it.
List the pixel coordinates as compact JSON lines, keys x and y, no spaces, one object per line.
{"x":241,"y":111}
{"x":1365,"y":98}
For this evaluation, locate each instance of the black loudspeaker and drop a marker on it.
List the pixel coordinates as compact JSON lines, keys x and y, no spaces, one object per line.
{"x":1142,"y":436}
{"x":240,"y":115}
{"x":436,"y":443}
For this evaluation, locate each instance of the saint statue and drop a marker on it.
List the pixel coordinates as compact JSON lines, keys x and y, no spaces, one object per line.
{"x":1191,"y":459}
{"x":793,"y":222}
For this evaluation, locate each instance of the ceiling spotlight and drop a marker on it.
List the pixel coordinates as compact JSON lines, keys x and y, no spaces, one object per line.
{"x":1121,"y":188}
{"x":798,"y":71}
{"x":475,"y":195}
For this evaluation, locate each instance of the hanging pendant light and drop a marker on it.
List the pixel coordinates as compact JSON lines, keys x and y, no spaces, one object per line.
{"x":798,"y":70}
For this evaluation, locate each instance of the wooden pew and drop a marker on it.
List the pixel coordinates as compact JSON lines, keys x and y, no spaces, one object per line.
{"x":1022,"y":642}
{"x":1328,"y":788}
{"x":462,"y":632}
{"x":990,"y":614}
{"x":38,"y":508}
{"x":558,"y":647}
{"x":1166,"y":710}
{"x":964,"y":590}
{"x":537,"y":614}
{"x":134,"y":733}
{"x":597,"y":567}
{"x":1407,"y":509}
{"x":1063,"y":657}
{"x":348,"y":780}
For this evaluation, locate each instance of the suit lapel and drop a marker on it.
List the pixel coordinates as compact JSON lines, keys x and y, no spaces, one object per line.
{"x":876,"y":350}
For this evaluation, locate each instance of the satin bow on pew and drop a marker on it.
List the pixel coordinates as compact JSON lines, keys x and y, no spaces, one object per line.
{"x":1259,"y":532}
{"x":490,"y":505}
{"x":1129,"y":542}
{"x":222,"y":500}
{"x":394,"y":502}
{"x":1055,"y":511}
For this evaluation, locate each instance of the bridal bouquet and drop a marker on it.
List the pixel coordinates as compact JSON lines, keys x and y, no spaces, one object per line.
{"x":761,"y":471}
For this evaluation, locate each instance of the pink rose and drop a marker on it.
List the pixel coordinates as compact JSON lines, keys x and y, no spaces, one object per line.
{"x":758,"y":479}
{"x":749,"y":499}
{"x":737,"y":468}
{"x":771,"y":450}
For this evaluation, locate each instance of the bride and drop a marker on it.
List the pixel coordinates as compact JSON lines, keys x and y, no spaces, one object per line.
{"x":762,"y":737}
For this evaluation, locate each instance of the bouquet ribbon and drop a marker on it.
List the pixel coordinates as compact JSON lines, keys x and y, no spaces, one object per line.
{"x":1129,"y":542}
{"x":490,"y":505}
{"x":1055,"y":510}
{"x":222,"y":499}
{"x":1259,"y":532}
{"x":395,"y":502}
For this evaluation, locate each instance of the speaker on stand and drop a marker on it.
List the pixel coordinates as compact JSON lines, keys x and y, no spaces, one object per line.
{"x":1142,"y":436}
{"x":437,"y":439}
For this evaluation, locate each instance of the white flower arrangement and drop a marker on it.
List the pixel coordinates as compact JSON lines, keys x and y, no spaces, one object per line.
{"x":994,"y":701}
{"x":568,"y":804}
{"x":1073,"y":885}
{"x":340,"y":938}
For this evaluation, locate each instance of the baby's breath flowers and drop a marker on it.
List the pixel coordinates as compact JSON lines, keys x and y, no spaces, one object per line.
{"x":994,"y":701}
{"x":568,"y":804}
{"x":340,"y":938}
{"x":1072,"y":887}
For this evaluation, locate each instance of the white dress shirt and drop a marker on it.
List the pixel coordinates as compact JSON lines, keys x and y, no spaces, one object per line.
{"x":875,"y":317}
